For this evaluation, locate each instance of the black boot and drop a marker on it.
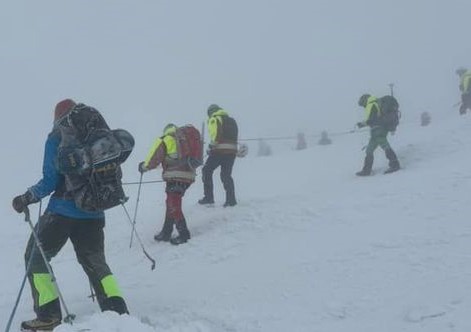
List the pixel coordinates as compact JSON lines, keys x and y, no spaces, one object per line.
{"x":183,"y":233}
{"x":230,"y":203}
{"x":205,"y":200}
{"x":393,"y":162}
{"x":116,"y":304}
{"x":230,"y":199}
{"x":367,"y":166}
{"x":166,"y":232}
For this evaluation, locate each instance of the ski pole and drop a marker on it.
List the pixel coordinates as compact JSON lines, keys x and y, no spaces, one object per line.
{"x":138,"y":238}
{"x":135,"y":209}
{"x":92,"y":293}
{"x":69,"y":318}
{"x":23,"y":282}
{"x":18,"y":297}
{"x":202,"y":142}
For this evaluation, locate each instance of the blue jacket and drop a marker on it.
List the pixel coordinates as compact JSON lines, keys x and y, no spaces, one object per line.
{"x":53,"y":181}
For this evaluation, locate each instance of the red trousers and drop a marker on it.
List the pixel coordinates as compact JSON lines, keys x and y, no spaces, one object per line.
{"x":174,"y":206}
{"x":175,"y":191}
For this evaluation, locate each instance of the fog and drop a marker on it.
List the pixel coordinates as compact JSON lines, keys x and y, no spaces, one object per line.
{"x":276,"y":66}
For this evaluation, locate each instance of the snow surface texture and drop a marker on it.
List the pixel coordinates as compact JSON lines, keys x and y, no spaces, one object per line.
{"x":310,"y":247}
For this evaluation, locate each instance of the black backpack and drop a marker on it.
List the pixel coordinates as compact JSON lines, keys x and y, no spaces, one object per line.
{"x":390,"y":113}
{"x":89,"y":157}
{"x":229,"y":130}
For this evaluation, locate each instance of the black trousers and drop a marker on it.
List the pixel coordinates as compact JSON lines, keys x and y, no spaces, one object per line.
{"x":226,"y":161}
{"x":465,"y":102}
{"x":87,"y":238}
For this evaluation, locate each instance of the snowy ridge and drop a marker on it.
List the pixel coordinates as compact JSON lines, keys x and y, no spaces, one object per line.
{"x":310,"y":247}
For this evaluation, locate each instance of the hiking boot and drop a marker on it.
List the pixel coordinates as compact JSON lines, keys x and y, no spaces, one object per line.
{"x":205,"y":201}
{"x":392,"y":169}
{"x":180,"y":239}
{"x":166,"y":232}
{"x":230,"y":197}
{"x":162,"y":236}
{"x":40,"y":324}
{"x":393,"y":162}
{"x":116,"y":304}
{"x":367,"y":166}
{"x":183,"y":233}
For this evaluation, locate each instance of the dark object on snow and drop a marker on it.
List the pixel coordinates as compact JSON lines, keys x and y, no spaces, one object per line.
{"x":425,"y":119}
{"x":263,"y":148}
{"x":301,"y":141}
{"x":325,"y":140}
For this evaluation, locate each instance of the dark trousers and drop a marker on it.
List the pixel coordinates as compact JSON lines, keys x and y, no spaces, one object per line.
{"x":378,"y":137}
{"x":87,"y":238}
{"x":226,"y":161}
{"x":465,"y":102}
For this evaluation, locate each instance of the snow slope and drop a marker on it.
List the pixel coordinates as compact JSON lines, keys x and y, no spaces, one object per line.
{"x":310,"y":247}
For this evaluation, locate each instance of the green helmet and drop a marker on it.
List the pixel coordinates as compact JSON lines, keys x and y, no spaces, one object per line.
{"x":460,"y":71}
{"x":213,"y":108}
{"x":363,"y":100}
{"x":169,"y":129}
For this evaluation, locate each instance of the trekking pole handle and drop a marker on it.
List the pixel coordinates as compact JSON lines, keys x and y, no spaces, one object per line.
{"x":27,"y":214}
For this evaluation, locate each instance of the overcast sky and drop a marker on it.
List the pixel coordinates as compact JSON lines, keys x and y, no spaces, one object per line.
{"x":276,"y":66}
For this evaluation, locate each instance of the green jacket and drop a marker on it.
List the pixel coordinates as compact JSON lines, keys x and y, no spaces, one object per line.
{"x":372,"y":112}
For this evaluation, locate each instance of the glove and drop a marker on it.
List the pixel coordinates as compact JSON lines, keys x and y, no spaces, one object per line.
{"x":361,"y":124}
{"x":142,"y":168}
{"x":209,"y":149}
{"x":22,"y":201}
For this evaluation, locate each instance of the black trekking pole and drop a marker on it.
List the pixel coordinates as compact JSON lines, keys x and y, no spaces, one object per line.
{"x":23,"y":282}
{"x":92,"y":293}
{"x":202,"y":142}
{"x":138,"y":237}
{"x":69,"y":318}
{"x":135,"y":209}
